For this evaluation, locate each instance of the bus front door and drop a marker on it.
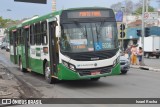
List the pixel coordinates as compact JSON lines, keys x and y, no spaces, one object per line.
{"x":26,"y":46}
{"x":52,"y":48}
{"x":15,"y":46}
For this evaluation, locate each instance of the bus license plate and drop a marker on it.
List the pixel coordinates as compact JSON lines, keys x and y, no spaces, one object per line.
{"x":95,"y":73}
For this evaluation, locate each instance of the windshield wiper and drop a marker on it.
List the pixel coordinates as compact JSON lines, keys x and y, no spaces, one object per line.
{"x":102,"y":23}
{"x":98,"y":33}
{"x":81,"y":27}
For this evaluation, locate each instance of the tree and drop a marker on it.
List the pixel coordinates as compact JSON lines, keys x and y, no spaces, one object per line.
{"x":139,"y":10}
{"x":129,"y":6}
{"x":116,"y":7}
{"x":126,"y":5}
{"x":4,"y":23}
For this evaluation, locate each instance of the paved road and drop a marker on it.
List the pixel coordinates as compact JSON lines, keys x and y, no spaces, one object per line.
{"x":136,"y":84}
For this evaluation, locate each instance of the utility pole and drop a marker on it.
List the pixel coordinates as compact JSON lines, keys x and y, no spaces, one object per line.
{"x":147,"y":2}
{"x":143,"y":33}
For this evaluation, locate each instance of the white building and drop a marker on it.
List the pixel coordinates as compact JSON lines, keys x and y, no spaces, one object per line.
{"x":2,"y":33}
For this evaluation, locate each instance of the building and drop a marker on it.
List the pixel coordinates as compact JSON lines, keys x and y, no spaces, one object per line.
{"x":2,"y":33}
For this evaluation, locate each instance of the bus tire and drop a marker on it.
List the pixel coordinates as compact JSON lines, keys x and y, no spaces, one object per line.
{"x":147,"y":55}
{"x":47,"y":74}
{"x":124,"y":72}
{"x":157,"y":56}
{"x":95,"y":79}
{"x":21,"y":66}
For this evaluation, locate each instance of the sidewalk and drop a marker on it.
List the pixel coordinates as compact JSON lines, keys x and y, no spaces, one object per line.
{"x":151,"y":63}
{"x":9,"y":88}
{"x":145,"y":68}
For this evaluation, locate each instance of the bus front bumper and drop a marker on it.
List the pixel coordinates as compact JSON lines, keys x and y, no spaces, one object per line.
{"x":65,"y":73}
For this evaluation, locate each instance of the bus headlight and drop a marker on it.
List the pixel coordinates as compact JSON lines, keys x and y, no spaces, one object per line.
{"x":114,"y":62}
{"x":65,"y":64}
{"x":68,"y":65}
{"x":72,"y":67}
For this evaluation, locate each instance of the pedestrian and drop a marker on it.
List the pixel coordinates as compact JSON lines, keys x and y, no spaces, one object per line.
{"x":128,"y":51}
{"x":140,"y":53}
{"x":134,"y":55}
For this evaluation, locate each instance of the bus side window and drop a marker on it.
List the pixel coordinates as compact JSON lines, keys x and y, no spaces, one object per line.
{"x":32,"y":34}
{"x":44,"y":32}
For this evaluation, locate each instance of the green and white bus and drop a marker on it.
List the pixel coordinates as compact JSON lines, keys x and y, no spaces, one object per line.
{"x":71,"y":44}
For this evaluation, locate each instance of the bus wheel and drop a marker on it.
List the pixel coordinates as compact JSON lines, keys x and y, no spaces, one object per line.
{"x":124,"y":72}
{"x":47,"y":74}
{"x":147,"y":55}
{"x":21,"y":67}
{"x":95,"y":79}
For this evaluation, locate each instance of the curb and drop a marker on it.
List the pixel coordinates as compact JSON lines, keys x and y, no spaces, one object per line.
{"x":145,"y":68}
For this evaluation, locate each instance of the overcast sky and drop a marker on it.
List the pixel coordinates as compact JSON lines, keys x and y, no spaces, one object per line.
{"x":20,"y":10}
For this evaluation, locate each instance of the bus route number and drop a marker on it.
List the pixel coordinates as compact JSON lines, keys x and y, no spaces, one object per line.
{"x":106,"y":45}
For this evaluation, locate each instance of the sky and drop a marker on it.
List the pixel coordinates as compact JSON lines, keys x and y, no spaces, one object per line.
{"x":20,"y":10}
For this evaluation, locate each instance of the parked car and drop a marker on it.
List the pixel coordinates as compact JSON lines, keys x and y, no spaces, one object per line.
{"x":4,"y":44}
{"x":0,"y":44}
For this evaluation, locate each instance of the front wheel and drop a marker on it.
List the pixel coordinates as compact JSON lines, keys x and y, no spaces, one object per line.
{"x":124,"y":72}
{"x":95,"y":79}
{"x":21,"y":67}
{"x":48,"y":75}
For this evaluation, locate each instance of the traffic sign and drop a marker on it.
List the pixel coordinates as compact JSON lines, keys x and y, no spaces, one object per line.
{"x":150,"y":16}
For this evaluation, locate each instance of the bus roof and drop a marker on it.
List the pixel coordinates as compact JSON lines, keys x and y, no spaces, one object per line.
{"x":41,"y":18}
{"x":44,"y":17}
{"x":81,"y":8}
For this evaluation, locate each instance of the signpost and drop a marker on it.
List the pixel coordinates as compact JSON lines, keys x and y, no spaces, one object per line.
{"x":122,"y":33}
{"x":150,"y":16}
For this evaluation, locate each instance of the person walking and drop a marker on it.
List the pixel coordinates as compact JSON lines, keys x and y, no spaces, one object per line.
{"x":140,"y":53}
{"x":134,"y":55}
{"x":128,"y":51}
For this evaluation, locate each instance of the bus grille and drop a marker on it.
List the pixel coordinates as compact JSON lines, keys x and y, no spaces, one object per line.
{"x":85,"y":72}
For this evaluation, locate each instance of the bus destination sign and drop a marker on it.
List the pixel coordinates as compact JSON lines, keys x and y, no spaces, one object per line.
{"x":89,"y":14}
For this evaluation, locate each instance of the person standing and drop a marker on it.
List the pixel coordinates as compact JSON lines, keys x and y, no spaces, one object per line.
{"x":140,"y":53}
{"x":134,"y":55}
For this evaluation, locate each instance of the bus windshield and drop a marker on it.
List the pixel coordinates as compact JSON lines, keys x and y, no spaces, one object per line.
{"x":84,"y":37}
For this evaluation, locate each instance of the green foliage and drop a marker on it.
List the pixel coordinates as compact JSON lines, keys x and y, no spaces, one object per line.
{"x":4,"y":23}
{"x":139,"y":10}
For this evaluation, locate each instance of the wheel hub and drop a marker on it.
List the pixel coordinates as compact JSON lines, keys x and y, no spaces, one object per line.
{"x":47,"y":72}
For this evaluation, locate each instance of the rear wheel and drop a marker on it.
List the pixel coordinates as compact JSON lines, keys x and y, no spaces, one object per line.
{"x":147,"y":55}
{"x":48,"y":76}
